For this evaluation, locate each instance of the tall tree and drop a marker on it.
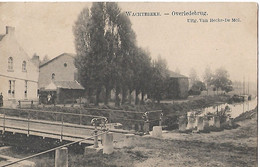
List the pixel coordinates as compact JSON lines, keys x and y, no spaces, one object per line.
{"x":127,"y":48}
{"x":105,"y":44}
{"x":159,"y":78}
{"x":142,"y":74}
{"x":193,"y":76}
{"x":91,"y":47}
{"x":207,"y":77}
{"x":221,"y":80}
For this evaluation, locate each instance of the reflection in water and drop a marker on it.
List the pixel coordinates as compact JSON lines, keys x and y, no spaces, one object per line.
{"x":236,"y":109}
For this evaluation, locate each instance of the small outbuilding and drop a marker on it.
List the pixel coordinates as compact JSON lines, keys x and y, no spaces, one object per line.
{"x":61,"y":92}
{"x":177,"y":86}
{"x":58,"y":81}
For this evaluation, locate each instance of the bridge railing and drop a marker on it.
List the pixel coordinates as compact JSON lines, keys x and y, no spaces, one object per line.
{"x":81,"y":119}
{"x":130,"y":120}
{"x":28,"y":124}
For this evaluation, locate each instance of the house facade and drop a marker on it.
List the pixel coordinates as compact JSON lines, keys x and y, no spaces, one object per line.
{"x":18,"y":75}
{"x":58,"y":77}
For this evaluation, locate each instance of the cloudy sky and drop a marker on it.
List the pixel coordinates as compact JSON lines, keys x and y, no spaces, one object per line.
{"x":46,"y":29}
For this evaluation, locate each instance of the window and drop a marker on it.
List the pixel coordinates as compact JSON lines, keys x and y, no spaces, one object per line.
{"x":10,"y":63}
{"x":24,"y":66}
{"x":26,"y":89}
{"x":11,"y":91}
{"x":52,"y":76}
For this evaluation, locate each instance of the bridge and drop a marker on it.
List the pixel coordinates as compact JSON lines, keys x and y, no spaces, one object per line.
{"x":25,"y":121}
{"x":71,"y":128}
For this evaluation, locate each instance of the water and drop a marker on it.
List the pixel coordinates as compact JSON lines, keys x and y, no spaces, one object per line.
{"x":236,"y":109}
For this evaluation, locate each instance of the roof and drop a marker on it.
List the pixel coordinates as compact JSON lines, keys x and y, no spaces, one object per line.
{"x":176,"y":75}
{"x":68,"y":85}
{"x":63,"y":54}
{"x":64,"y":85}
{"x":2,"y":36}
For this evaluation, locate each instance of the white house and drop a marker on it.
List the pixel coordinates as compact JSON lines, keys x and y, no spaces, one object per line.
{"x":18,"y":74}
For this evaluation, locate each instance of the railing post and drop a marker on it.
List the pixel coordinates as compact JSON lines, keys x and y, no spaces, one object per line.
{"x":161,"y":119}
{"x":146,"y":127}
{"x":61,"y":134}
{"x":56,"y":116}
{"x":94,"y":122}
{"x":103,"y":129}
{"x":80,"y":117}
{"x":37,"y":115}
{"x":28,"y":133}
{"x":19,"y":104}
{"x":32,"y":104}
{"x":4,"y":123}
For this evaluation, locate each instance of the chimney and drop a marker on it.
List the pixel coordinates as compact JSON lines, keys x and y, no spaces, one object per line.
{"x":10,"y":30}
{"x":36,"y":60}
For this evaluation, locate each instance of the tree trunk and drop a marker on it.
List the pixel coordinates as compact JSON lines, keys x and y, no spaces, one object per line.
{"x":142,"y":101}
{"x":136,"y":97}
{"x":124,"y":94}
{"x":97,"y":97}
{"x":117,"y":102}
{"x":107,"y":95}
{"x":130,"y":96}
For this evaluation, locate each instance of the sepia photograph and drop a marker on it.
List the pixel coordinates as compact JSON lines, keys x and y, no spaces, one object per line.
{"x":135,"y":84}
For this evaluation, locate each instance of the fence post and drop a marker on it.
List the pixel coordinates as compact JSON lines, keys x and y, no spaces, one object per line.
{"x":28,"y":133}
{"x":61,"y":134}
{"x":61,"y":157}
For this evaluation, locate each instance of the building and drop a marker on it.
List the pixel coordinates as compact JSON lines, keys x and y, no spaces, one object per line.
{"x":177,"y":86}
{"x":58,"y":77}
{"x":18,"y":75}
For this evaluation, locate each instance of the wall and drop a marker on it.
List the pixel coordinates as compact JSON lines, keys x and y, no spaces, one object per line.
{"x":9,"y":47}
{"x":57,"y":67}
{"x":183,"y":87}
{"x":177,"y":88}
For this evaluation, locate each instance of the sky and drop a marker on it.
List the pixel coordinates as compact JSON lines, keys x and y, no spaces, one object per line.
{"x":46,"y":29}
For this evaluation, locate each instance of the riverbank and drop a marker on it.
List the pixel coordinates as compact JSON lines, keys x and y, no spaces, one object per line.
{"x":128,"y":115}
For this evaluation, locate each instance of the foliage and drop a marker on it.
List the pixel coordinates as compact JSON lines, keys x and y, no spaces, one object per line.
{"x":159,"y":79}
{"x":104,"y":43}
{"x":224,"y":114}
{"x":197,"y":87}
{"x":108,"y":57}
{"x":193,"y":76}
{"x":221,"y":80}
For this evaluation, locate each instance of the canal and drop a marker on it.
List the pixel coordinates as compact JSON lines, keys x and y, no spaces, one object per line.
{"x":236,"y":108}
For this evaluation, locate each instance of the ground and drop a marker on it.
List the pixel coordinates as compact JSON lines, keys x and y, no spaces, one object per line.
{"x":236,"y":147}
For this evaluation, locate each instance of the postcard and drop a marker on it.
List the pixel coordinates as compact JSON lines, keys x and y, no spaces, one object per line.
{"x":128,"y":84}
